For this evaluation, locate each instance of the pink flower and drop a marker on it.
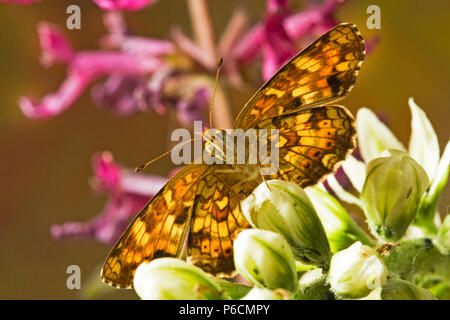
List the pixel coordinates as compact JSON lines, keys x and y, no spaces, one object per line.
{"x":82,"y":68}
{"x":277,"y":35}
{"x":277,"y":46}
{"x":128,"y":193}
{"x":121,"y":94}
{"x":190,"y":108}
{"x":164,"y":89}
{"x":120,"y":38}
{"x":130,"y":5}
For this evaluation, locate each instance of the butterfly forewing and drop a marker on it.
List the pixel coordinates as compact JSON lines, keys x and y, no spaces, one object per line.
{"x":322,"y":73}
{"x":158,"y":230}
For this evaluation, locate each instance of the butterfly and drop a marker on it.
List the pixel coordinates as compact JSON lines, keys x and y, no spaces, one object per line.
{"x":201,"y":203}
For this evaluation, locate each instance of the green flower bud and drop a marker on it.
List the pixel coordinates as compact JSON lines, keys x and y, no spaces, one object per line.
{"x":174,"y":279}
{"x":397,"y":289}
{"x":265,"y":259}
{"x":286,"y":209}
{"x":443,"y":238}
{"x":356,"y":271}
{"x":342,"y":231}
{"x":391,"y":194}
{"x":266,"y":294}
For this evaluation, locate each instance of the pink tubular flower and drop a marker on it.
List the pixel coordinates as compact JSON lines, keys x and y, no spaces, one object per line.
{"x":128,"y":193}
{"x":277,"y":45}
{"x":190,"y":108}
{"x":119,"y":38}
{"x":277,"y":35}
{"x":82,"y":68}
{"x":120,"y":94}
{"x":130,"y":5}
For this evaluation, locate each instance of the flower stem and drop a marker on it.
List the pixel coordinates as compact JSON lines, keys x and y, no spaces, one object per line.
{"x":203,"y":29}
{"x":204,"y":36}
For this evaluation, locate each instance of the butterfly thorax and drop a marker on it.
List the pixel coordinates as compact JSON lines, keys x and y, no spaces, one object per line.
{"x":231,"y":146}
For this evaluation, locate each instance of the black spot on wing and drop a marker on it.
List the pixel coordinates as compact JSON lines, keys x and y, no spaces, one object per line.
{"x":334,"y":83}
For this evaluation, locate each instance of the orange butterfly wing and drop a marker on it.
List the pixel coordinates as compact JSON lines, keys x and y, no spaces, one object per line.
{"x":157,"y":231}
{"x":322,"y":73}
{"x":311,"y":142}
{"x":218,"y":218}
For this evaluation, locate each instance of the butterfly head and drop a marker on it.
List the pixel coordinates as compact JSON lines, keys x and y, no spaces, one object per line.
{"x":215,"y":142}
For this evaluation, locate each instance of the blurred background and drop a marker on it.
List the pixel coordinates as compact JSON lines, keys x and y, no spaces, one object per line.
{"x":45,"y":164}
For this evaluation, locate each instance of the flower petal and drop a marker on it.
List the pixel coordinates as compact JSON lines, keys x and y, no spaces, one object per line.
{"x":106,"y":172}
{"x":355,"y":171}
{"x":442,"y":171}
{"x":107,"y":226}
{"x":423,"y":144}
{"x":427,"y":213}
{"x":249,"y":45}
{"x":374,"y":136}
{"x":128,"y":193}
{"x":120,"y":94}
{"x":55,"y":103}
{"x":147,"y":46}
{"x":55,"y":46}
{"x":130,"y":5}
{"x":341,"y":192}
{"x":318,"y":19}
{"x":84,"y":68}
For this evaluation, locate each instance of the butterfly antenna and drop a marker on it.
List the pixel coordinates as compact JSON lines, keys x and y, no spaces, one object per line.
{"x":145,"y":165}
{"x":219,"y":66}
{"x":264,"y":178}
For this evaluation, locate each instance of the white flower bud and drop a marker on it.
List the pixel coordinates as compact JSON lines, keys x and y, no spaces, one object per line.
{"x":391,"y":194}
{"x":174,"y":279}
{"x":356,"y":271}
{"x":287,"y":210}
{"x":265,"y":259}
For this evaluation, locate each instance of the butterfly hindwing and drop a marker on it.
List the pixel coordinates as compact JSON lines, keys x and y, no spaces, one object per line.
{"x":158,"y":230}
{"x":322,"y":73}
{"x":312,"y":142}
{"x":217,"y":217}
